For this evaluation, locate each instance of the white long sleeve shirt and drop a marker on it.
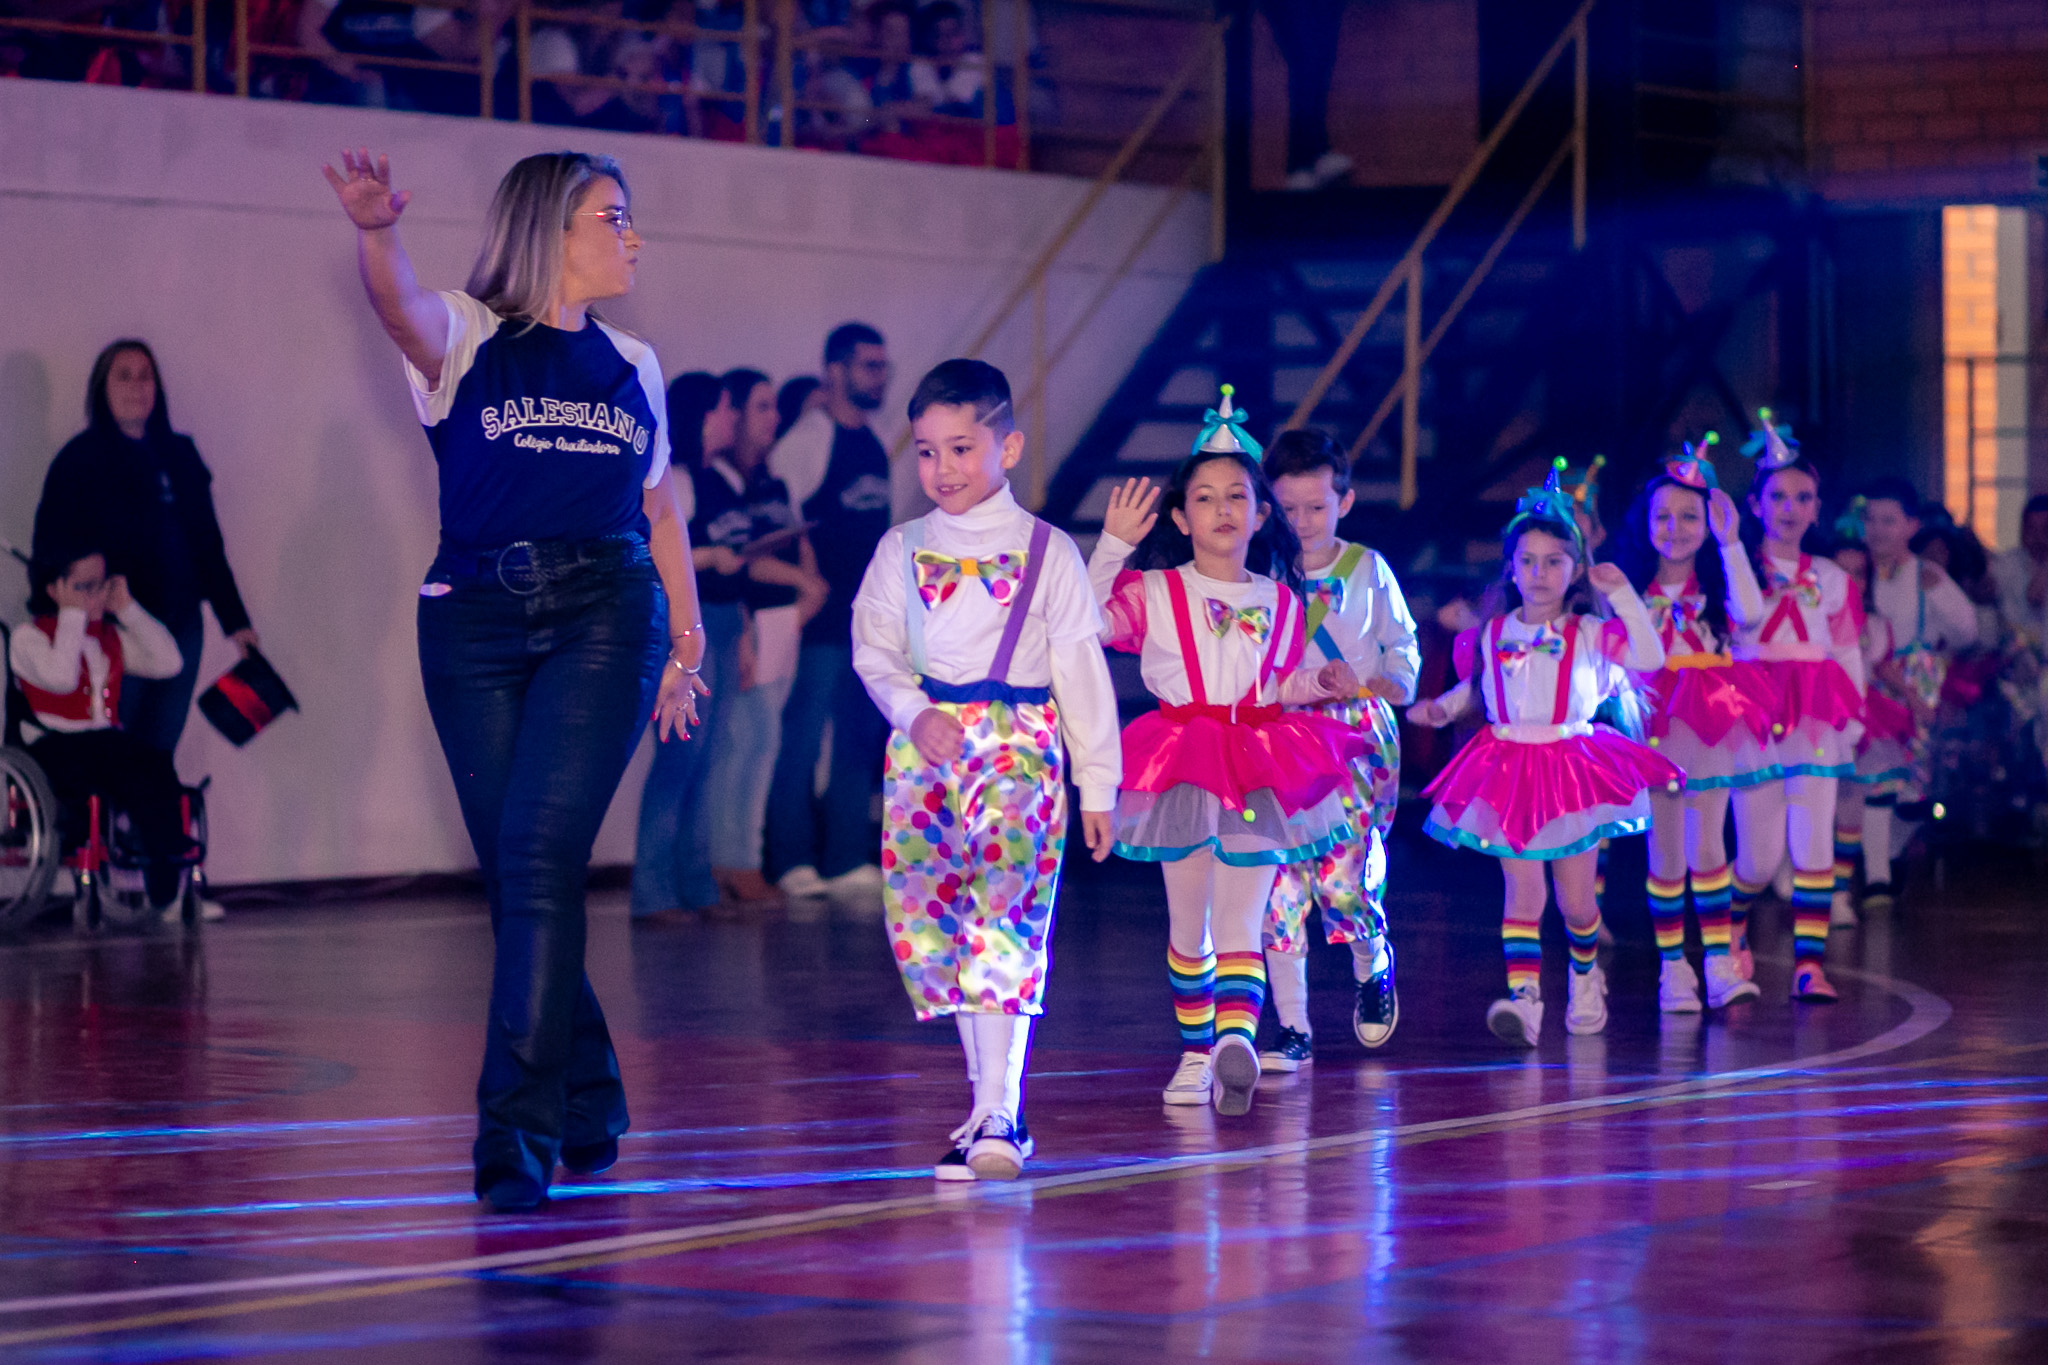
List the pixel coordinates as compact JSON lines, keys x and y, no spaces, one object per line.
{"x":1058,"y":648}
{"x":1938,"y":616}
{"x":1140,"y":619}
{"x":1806,"y":618}
{"x":1678,"y":610}
{"x":52,"y":664}
{"x":1515,"y":665}
{"x":1373,"y":630}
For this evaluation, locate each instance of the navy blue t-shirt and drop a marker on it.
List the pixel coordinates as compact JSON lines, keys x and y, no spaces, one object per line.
{"x":736,"y":517}
{"x":849,"y":515}
{"x":541,"y":434}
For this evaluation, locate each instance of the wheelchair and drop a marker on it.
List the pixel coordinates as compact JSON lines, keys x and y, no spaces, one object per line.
{"x":93,"y":847}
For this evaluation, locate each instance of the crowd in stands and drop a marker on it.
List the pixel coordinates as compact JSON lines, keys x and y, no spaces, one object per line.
{"x":886,"y":77}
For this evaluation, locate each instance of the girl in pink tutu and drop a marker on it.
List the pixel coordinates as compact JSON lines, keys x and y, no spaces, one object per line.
{"x":1885,"y":754}
{"x":1807,"y":643}
{"x":1544,"y":783}
{"x":1708,"y":714}
{"x":1221,"y":786}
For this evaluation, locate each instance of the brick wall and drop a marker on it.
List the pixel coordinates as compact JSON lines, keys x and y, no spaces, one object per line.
{"x":1927,"y":99}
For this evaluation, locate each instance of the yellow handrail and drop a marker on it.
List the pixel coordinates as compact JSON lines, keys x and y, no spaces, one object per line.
{"x":1406,"y":271}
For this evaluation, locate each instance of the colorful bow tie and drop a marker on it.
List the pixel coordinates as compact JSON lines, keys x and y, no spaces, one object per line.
{"x":939,"y":576}
{"x":1327,"y":593}
{"x":1806,"y":586}
{"x":1253,"y":621}
{"x":1514,"y":654}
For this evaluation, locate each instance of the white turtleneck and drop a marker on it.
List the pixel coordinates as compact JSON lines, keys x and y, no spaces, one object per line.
{"x":1059,"y":647}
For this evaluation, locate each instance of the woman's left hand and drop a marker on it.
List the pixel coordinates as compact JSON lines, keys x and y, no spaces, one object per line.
{"x":675,"y":704}
{"x":247,"y":640}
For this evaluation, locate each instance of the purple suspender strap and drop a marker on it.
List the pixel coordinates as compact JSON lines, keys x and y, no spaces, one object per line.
{"x":1020,"y":605}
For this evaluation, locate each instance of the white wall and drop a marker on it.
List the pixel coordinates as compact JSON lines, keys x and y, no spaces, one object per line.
{"x":203,"y":225}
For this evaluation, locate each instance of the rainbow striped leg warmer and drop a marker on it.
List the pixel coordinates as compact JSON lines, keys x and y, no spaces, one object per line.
{"x":1585,"y":946}
{"x":1811,"y":893}
{"x":1848,"y":853}
{"x":1667,"y":916}
{"x":1194,"y":998}
{"x":1523,"y":944}
{"x":1711,"y":891}
{"x":1240,"y":994}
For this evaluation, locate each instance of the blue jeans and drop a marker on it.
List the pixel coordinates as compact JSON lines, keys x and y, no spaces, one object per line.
{"x":670,"y":869}
{"x":838,"y":833}
{"x":539,"y":701}
{"x":154,"y":710}
{"x":742,"y":762}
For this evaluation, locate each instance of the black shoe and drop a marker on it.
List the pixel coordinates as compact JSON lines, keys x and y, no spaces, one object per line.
{"x":510,"y":1191}
{"x":593,"y":1158}
{"x":1000,"y":1148}
{"x":1378,"y":1011}
{"x":1291,"y":1051}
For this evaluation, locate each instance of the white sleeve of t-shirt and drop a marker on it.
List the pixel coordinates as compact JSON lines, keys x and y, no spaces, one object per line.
{"x":470,"y":325}
{"x":641,"y":357}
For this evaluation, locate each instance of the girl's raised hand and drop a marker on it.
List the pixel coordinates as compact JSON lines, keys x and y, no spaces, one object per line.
{"x":1724,"y":518}
{"x":1131,"y":512}
{"x":365,"y":192}
{"x":1608,"y":579}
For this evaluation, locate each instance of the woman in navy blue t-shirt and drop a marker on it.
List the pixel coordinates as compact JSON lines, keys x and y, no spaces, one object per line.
{"x":541,"y":623}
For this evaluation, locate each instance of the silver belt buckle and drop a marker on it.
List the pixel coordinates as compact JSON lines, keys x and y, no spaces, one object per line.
{"x":532,"y":571}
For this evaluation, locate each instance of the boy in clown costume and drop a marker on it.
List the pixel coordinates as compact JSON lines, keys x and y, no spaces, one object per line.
{"x":977,"y":635}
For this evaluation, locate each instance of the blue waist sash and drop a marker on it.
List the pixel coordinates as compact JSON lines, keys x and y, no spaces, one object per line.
{"x":988,"y":689}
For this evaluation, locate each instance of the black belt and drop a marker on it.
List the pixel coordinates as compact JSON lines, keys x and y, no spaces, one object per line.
{"x":526,"y":566}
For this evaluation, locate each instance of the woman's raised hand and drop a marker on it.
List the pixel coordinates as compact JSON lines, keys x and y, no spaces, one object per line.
{"x":1131,"y":511}
{"x":365,"y":191}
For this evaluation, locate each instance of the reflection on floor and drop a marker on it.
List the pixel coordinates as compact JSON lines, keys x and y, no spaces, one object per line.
{"x":253,"y":1142}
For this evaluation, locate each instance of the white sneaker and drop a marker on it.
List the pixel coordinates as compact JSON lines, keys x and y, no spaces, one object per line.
{"x":1678,"y":988}
{"x":1236,"y":1069}
{"x":1332,"y":168}
{"x":1586,"y":1009}
{"x":1190,"y":1083}
{"x":1842,"y":913}
{"x":801,"y":881}
{"x":863,"y":880}
{"x":1726,"y":984}
{"x":1519,"y":1018}
{"x":210,"y":910}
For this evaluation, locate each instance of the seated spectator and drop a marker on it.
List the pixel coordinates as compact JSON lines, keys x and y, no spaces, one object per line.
{"x":385,"y":28}
{"x":70,"y":661}
{"x":950,"y":78}
{"x":621,"y":56}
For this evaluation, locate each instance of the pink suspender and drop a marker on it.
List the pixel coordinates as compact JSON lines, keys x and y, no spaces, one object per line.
{"x":1561,"y":708}
{"x":1787,"y":608}
{"x":1176,"y":589}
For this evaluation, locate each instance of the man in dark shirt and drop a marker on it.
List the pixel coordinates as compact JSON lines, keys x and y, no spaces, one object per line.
{"x":838,"y":473}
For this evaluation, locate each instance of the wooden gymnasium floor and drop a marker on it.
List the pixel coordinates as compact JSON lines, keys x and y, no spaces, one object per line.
{"x":251,"y":1144}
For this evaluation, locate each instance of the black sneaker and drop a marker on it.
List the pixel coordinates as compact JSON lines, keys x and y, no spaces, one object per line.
{"x":953,"y":1165}
{"x":1378,"y":1010}
{"x":1000,"y":1148}
{"x":1291,"y":1051}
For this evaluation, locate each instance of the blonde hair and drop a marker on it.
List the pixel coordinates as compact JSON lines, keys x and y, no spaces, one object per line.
{"x":520,"y":264}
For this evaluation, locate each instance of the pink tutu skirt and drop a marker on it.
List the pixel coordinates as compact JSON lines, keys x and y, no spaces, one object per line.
{"x":1819,"y":718}
{"x":1714,"y":723}
{"x":1884,"y":757}
{"x":1265,"y":788}
{"x":1548,"y":800}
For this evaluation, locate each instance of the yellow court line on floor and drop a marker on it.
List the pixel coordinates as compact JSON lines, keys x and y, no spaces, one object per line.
{"x":1929,"y":1012}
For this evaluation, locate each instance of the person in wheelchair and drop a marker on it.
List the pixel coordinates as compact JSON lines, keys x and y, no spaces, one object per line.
{"x":88,"y":633}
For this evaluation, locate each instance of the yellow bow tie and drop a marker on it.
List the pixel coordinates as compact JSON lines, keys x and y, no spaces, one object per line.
{"x":939,"y":576}
{"x":1253,"y":621}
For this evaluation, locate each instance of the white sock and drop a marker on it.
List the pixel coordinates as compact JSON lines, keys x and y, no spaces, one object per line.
{"x":965,"y":1023}
{"x":1002,"y":1043}
{"x":1877,"y":844}
{"x":1287,"y":987}
{"x":1368,"y":955}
